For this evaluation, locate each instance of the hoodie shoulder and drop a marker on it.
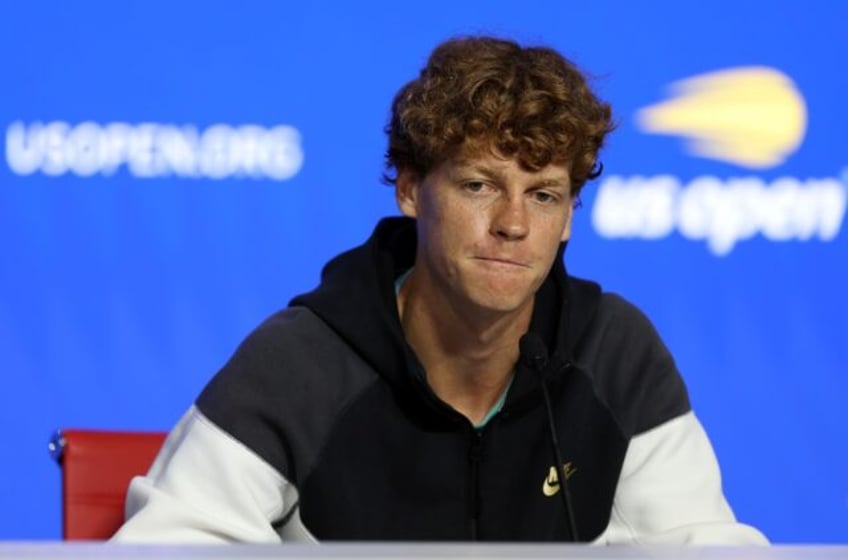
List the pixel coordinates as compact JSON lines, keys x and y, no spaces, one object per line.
{"x":283,"y":389}
{"x":630,"y":366}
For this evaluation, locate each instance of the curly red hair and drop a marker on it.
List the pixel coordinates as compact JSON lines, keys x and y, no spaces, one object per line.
{"x":484,"y":93}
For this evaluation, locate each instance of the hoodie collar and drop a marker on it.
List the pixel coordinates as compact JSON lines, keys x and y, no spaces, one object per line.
{"x":356,"y":298}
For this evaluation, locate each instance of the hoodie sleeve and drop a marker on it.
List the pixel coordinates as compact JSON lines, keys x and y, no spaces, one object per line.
{"x":206,"y":487}
{"x":669,"y":489}
{"x":670,"y":492}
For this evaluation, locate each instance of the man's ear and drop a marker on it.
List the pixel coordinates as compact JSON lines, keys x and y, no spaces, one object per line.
{"x":406,"y":192}
{"x":566,"y":231}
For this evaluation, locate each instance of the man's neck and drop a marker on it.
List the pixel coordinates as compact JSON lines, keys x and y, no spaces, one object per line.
{"x":469,"y":354}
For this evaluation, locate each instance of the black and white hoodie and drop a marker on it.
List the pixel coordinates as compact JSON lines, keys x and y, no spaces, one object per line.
{"x":322,"y":427}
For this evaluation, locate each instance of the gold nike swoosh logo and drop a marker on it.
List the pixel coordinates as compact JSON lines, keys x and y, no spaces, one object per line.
{"x":550,"y":486}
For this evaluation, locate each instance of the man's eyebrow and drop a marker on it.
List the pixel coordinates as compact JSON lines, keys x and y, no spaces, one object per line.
{"x":464,"y":166}
{"x":553,"y":182}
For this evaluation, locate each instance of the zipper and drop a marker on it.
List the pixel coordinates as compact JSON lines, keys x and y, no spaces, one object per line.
{"x":474,"y":491}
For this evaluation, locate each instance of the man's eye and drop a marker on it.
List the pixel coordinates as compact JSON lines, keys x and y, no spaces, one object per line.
{"x":542,"y":196}
{"x":474,"y":186}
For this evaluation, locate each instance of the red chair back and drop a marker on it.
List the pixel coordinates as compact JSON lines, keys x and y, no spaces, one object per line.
{"x":97,"y":466}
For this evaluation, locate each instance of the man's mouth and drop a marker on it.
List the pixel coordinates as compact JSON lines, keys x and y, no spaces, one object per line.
{"x":505,"y":261}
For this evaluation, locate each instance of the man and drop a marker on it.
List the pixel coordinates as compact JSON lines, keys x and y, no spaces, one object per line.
{"x":448,"y":380}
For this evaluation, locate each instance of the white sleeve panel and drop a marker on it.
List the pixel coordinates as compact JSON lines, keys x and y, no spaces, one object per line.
{"x":670,"y":492}
{"x":207,"y":487}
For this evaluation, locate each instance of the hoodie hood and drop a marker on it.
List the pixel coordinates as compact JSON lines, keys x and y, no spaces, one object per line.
{"x":356,"y":298}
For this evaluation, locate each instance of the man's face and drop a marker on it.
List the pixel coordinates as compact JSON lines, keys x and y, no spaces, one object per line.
{"x":488,"y":231}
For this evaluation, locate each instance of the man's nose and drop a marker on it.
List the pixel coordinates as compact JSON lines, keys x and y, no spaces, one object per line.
{"x":509,"y":219}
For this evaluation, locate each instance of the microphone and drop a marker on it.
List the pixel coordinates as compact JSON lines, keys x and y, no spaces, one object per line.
{"x":534,"y":355}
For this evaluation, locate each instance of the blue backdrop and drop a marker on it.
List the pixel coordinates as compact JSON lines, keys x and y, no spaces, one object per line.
{"x":172,"y":173}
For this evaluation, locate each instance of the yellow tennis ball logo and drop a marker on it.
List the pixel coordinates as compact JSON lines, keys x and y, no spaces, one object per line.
{"x":750,"y":116}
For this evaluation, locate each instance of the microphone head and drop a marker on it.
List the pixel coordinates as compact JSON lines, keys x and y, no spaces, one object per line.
{"x":533,"y":351}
